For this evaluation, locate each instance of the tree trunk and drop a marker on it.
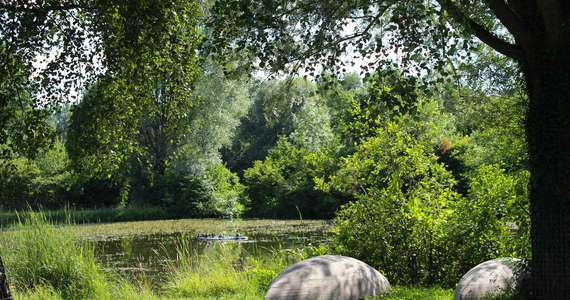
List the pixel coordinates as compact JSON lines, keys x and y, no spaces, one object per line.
{"x":4,"y":288}
{"x":548,"y":132}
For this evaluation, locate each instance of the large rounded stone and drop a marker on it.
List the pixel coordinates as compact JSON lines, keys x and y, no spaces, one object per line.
{"x":489,"y":278}
{"x":328,"y":277}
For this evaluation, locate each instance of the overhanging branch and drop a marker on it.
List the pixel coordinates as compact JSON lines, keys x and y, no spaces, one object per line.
{"x":508,"y":17}
{"x":501,"y":46}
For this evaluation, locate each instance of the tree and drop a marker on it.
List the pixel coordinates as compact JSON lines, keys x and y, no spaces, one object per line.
{"x":220,"y":104}
{"x":24,"y":128}
{"x":532,"y":33}
{"x":276,"y":110}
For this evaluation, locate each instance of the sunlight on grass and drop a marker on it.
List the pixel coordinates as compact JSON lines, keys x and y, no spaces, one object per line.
{"x":415,"y":293}
{"x":46,"y":261}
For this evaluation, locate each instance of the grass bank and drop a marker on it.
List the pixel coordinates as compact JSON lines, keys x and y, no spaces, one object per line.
{"x":47,"y":261}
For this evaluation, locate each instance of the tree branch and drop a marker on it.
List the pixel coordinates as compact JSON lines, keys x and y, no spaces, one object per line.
{"x":501,"y":46}
{"x":508,"y":17}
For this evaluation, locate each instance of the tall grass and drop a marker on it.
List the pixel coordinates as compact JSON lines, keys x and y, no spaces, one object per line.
{"x":415,"y":293}
{"x":100,"y":215}
{"x":50,"y":259}
{"x":222,"y":271}
{"x":47,"y":261}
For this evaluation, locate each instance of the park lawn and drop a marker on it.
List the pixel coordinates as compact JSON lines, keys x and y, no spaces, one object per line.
{"x":416,"y":293}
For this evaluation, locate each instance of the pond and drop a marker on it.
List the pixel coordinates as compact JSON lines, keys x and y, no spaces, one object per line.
{"x":147,"y":248}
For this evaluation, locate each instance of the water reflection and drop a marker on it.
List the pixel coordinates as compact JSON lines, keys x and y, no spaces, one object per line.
{"x":150,"y":255}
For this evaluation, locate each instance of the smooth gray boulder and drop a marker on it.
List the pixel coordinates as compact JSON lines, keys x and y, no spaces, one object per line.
{"x":328,"y":277}
{"x":489,"y":279}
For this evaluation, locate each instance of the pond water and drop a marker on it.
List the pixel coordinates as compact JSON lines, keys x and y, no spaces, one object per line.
{"x":150,"y":254}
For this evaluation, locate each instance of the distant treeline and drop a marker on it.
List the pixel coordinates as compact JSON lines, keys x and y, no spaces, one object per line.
{"x":291,"y":148}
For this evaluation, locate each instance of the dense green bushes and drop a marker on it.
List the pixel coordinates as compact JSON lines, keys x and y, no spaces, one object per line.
{"x":44,"y":181}
{"x":283,"y":185}
{"x":432,"y":202}
{"x":213,"y":192}
{"x":404,"y":202}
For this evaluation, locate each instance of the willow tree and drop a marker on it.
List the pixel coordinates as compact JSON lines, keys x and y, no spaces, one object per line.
{"x":424,"y":35}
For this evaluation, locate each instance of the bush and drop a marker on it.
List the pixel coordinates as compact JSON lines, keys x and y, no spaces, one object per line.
{"x":214,"y":192}
{"x":45,"y":182}
{"x":16,"y":183}
{"x":404,"y":199}
{"x":493,"y":221}
{"x":283,"y":184}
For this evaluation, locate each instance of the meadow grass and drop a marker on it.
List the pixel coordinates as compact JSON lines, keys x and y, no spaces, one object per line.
{"x":224,"y":271}
{"x":100,"y":215}
{"x":416,"y":293}
{"x":47,"y":261}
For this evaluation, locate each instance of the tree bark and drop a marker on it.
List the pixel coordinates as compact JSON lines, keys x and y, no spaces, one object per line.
{"x":547,"y":73}
{"x":4,"y":288}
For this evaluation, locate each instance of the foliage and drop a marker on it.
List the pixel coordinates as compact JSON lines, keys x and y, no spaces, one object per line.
{"x":282,"y":185}
{"x":214,"y":192}
{"x":144,"y":157}
{"x":220,"y":104}
{"x":101,"y":132}
{"x":494,"y":220}
{"x":408,"y":214}
{"x":136,"y":115}
{"x":389,"y":94}
{"x":498,"y":136}
{"x":404,"y":199}
{"x":24,"y":128}
{"x":279,"y":108}
{"x":41,"y":182}
{"x":312,"y":127}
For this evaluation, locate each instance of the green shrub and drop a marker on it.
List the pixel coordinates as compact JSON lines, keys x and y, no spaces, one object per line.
{"x":283,"y":184}
{"x":212,"y":192}
{"x":42,"y":182}
{"x":493,"y":221}
{"x":404,"y":199}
